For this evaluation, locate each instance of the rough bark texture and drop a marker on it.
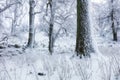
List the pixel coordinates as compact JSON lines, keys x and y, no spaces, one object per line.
{"x":83,"y":41}
{"x":114,"y":31}
{"x":31,"y":24}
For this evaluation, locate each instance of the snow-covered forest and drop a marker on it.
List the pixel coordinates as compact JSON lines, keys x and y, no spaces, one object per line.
{"x":59,"y":40}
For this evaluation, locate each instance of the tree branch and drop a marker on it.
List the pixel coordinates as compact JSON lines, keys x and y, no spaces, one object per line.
{"x":7,"y":6}
{"x":37,"y":12}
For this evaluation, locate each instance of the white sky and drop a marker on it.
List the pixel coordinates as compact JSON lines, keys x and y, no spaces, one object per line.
{"x":98,"y":1}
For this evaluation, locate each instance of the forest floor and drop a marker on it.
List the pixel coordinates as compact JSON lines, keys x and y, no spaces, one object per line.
{"x":38,"y":64}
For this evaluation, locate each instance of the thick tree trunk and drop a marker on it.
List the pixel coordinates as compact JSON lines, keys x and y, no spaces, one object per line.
{"x":31,"y":24}
{"x":114,"y":31}
{"x":83,"y":41}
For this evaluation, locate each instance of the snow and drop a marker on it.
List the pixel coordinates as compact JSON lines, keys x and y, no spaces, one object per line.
{"x":63,"y":66}
{"x":38,"y":64}
{"x":98,"y":1}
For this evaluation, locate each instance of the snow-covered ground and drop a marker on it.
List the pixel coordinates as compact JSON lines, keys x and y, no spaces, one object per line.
{"x":38,"y":64}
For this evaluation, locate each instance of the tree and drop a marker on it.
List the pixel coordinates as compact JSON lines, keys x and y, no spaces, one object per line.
{"x":32,"y":13}
{"x":108,"y":18}
{"x":14,"y":20}
{"x":31,"y":24}
{"x":83,"y":41}
{"x":114,"y":31}
{"x":51,"y":24}
{"x":57,"y":17}
{"x":8,"y":6}
{"x":17,"y":12}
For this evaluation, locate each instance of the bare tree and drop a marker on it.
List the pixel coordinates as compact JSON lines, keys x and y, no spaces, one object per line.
{"x":8,"y":6}
{"x":57,"y":17}
{"x":14,"y":20}
{"x":32,"y":13}
{"x":17,"y":12}
{"x":109,"y":16}
{"x":51,"y":24}
{"x":114,"y":30}
{"x":31,"y":24}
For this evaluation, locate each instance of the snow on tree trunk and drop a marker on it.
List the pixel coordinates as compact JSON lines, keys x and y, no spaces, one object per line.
{"x":31,"y":24}
{"x":83,"y":41}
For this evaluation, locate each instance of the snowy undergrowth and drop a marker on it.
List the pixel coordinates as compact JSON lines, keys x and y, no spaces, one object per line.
{"x":28,"y":65}
{"x":37,"y":64}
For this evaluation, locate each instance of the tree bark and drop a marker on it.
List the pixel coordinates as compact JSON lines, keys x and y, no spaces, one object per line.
{"x":114,"y":31}
{"x":51,"y":25}
{"x":51,"y":39}
{"x":31,"y":24}
{"x":83,"y":40}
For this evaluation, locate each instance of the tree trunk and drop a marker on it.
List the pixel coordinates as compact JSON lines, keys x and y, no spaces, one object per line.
{"x":14,"y":20}
{"x":51,"y":25}
{"x":114,"y":31}
{"x":31,"y":24}
{"x":51,"y":39}
{"x":83,"y":41}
